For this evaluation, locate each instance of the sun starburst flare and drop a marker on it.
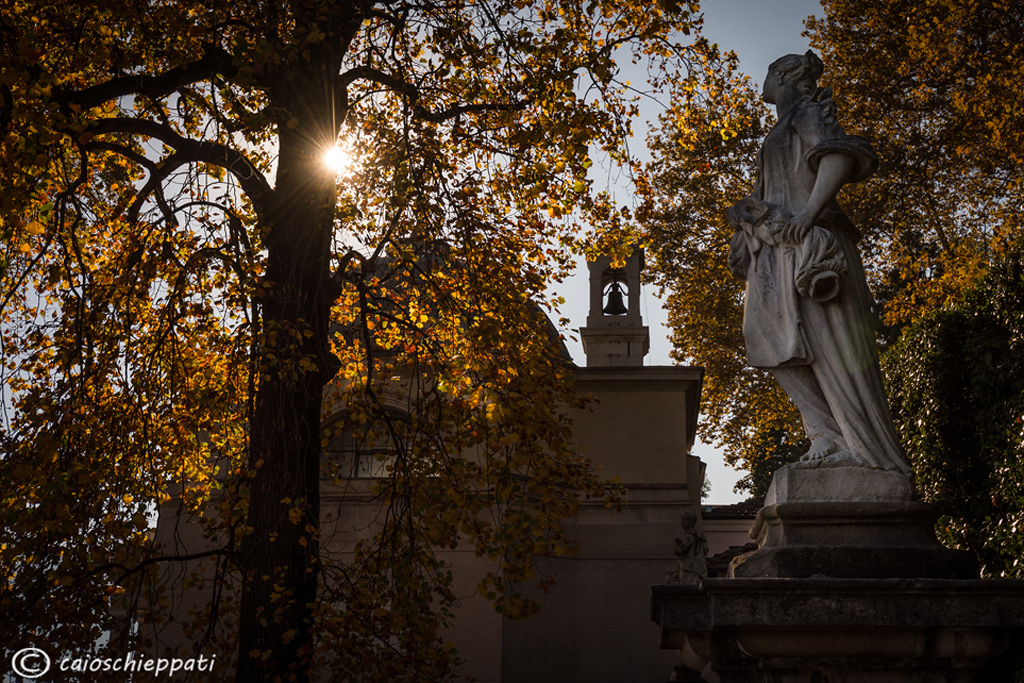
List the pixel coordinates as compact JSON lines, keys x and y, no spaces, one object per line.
{"x":337,"y":159}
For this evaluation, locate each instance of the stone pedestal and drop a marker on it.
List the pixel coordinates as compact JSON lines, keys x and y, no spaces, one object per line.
{"x":848,"y":585}
{"x":877,"y":531}
{"x":838,"y":630}
{"x":850,"y":540}
{"x":838,"y":480}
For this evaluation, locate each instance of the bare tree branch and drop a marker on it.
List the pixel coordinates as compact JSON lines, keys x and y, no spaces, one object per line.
{"x":215,"y":60}
{"x":128,"y":571}
{"x":412,"y":92}
{"x":377,"y":76}
{"x":250,"y":178}
{"x":445,"y":114}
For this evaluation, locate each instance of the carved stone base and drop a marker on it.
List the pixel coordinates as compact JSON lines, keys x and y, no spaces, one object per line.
{"x":820,"y":481}
{"x":839,"y":630}
{"x":850,"y":540}
{"x":806,"y":530}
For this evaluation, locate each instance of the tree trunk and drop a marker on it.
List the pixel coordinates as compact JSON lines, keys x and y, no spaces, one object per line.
{"x":279,"y":556}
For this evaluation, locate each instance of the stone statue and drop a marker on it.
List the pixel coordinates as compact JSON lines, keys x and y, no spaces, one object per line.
{"x":692,"y":553}
{"x":808,"y":312}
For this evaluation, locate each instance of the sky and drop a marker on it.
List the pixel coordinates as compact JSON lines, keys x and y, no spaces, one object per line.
{"x":759,"y":31}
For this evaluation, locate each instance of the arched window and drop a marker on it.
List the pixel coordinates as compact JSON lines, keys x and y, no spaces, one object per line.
{"x":363,"y":450}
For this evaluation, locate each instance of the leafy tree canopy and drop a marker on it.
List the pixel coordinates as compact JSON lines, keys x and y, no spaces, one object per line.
{"x":183,"y":279}
{"x":935,"y":87}
{"x":956,"y":379}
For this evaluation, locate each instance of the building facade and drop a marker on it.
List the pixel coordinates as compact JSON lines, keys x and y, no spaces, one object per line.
{"x":639,"y":427}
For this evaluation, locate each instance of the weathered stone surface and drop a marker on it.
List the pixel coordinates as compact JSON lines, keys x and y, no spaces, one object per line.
{"x":807,"y":311}
{"x":800,"y":483}
{"x":846,"y":524}
{"x":839,"y":630}
{"x":850,"y":540}
{"x":848,"y":584}
{"x":849,"y":563}
{"x":691,"y":553}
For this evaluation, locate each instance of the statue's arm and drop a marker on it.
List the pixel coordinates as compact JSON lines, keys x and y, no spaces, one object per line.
{"x":833,"y":172}
{"x":683,"y":545}
{"x":835,"y":157}
{"x":740,"y":254}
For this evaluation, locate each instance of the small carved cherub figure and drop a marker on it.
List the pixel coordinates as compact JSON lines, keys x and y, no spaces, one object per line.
{"x":692,"y":553}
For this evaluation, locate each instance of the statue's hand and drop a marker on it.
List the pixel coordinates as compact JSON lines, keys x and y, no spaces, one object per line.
{"x":797,"y":227}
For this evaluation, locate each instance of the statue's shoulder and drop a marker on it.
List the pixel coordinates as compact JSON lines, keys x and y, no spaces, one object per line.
{"x":817,"y":110}
{"x":817,"y":125}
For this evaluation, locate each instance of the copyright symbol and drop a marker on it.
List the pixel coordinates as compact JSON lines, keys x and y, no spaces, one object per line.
{"x":31,"y":662}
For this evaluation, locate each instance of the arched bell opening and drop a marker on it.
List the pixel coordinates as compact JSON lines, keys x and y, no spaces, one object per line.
{"x":615,"y":335}
{"x":615,"y":292}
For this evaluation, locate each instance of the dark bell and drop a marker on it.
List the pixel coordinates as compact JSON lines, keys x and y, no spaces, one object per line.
{"x":615,"y":304}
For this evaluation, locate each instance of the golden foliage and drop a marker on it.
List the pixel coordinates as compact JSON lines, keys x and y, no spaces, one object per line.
{"x":935,"y":86}
{"x":183,"y":278}
{"x":705,"y":155}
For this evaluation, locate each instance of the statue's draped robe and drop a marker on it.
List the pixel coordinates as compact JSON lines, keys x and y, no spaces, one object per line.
{"x":823,"y":353}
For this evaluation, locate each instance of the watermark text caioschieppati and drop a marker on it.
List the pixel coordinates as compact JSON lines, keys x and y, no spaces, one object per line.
{"x":32,"y":662}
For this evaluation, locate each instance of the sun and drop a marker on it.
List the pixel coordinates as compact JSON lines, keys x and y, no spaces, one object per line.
{"x":337,"y":159}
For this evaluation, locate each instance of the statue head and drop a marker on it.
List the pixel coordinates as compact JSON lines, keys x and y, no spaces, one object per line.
{"x":798,"y":71}
{"x":688,"y":519}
